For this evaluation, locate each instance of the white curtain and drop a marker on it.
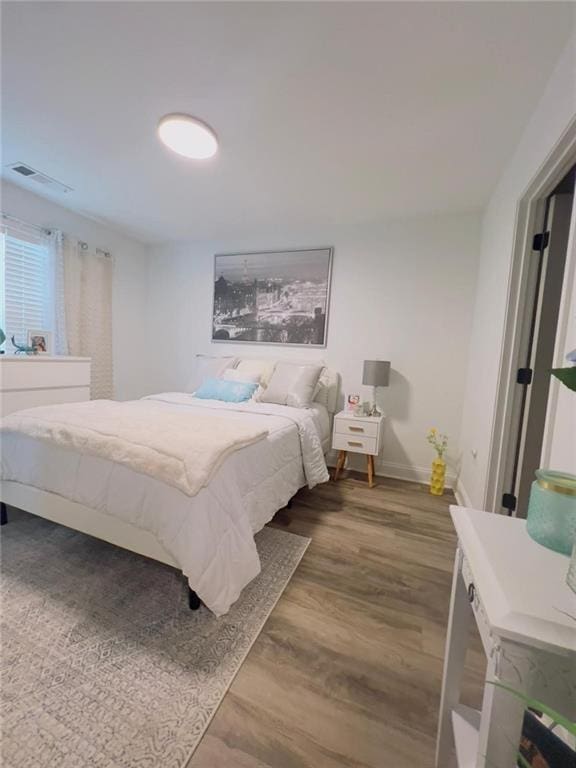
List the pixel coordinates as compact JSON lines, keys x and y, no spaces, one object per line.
{"x":86,"y":283}
{"x":59,"y":319}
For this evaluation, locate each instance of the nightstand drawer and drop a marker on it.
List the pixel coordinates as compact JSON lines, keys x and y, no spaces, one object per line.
{"x":355,"y":443}
{"x":361,"y":429}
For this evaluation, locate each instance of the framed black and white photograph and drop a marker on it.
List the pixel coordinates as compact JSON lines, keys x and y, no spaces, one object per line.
{"x":272,"y":297}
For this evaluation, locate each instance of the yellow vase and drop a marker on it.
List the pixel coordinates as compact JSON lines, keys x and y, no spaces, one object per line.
{"x":438,"y":477}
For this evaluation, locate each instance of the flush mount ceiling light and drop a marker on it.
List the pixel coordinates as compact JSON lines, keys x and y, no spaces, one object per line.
{"x":188,"y":136}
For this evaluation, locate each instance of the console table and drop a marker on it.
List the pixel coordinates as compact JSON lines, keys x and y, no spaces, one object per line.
{"x":516,"y":592}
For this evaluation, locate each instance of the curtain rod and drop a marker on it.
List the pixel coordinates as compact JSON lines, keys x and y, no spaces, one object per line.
{"x":45,"y":230}
{"x":84,"y":247}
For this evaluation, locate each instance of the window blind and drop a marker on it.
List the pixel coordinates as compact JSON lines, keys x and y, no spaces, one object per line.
{"x":26,"y":298}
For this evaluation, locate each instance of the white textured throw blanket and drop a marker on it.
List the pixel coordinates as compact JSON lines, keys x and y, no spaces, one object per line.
{"x":182,"y":449}
{"x":312,"y":454}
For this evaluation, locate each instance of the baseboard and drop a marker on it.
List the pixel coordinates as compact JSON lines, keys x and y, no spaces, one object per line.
{"x":407,"y":472}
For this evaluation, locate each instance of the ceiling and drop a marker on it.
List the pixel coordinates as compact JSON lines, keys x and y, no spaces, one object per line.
{"x":327,"y":113}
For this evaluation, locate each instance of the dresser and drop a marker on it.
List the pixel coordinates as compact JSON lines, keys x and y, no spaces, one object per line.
{"x":515,"y":591}
{"x":357,"y":434}
{"x":30,"y":380}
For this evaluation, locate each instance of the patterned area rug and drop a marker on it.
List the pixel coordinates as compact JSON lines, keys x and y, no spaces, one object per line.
{"x":103,"y":664}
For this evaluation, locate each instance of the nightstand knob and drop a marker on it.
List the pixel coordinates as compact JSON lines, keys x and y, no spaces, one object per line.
{"x":355,"y":443}
{"x":356,"y":429}
{"x":471,"y":592}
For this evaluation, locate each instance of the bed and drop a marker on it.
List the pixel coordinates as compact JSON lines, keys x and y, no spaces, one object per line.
{"x":209,"y":536}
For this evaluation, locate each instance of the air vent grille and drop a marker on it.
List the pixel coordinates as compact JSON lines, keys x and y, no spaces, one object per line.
{"x":41,"y":178}
{"x":24,"y":170}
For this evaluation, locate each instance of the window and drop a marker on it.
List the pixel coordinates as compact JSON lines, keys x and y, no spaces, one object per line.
{"x":27,"y":289}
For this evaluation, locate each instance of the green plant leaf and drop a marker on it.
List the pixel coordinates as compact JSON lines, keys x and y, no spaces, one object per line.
{"x":523,"y":762}
{"x":538,"y":705}
{"x":567,"y":376}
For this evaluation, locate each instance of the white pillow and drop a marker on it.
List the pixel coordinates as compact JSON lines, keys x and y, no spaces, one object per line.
{"x":207,"y":367}
{"x":292,"y":385}
{"x":262,"y":368}
{"x":232,"y":374}
{"x":319,"y":395}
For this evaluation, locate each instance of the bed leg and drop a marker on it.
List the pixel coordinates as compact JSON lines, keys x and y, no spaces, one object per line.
{"x":3,"y":513}
{"x":194,"y":601}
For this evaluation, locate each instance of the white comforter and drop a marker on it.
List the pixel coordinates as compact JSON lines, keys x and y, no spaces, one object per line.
{"x":182,"y":448}
{"x":209,"y":535}
{"x":312,"y":452}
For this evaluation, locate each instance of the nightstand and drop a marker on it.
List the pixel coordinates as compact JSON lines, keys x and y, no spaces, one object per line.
{"x":357,"y":434}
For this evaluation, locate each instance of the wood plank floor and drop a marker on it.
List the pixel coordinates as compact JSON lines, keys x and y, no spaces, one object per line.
{"x":348,"y":667}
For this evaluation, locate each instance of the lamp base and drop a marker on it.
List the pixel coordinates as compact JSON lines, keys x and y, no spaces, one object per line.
{"x":374,"y":411}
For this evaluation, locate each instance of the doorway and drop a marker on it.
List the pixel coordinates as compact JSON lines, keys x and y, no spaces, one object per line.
{"x":538,"y":339}
{"x":531,"y":329}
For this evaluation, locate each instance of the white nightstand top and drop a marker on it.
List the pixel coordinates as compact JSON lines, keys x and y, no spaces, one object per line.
{"x":352,"y":417}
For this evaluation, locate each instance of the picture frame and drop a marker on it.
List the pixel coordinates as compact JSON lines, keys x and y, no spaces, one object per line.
{"x":272,"y":297}
{"x":352,"y":401}
{"x":41,"y":342}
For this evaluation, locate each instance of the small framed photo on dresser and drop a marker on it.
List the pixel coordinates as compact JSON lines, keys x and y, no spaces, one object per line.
{"x":41,"y":342}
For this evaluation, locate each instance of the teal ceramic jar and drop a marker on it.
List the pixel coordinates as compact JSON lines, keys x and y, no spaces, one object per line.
{"x":571,"y":578}
{"x":552,"y":510}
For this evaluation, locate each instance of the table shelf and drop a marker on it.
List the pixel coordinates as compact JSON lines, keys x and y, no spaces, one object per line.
{"x":466,"y":726}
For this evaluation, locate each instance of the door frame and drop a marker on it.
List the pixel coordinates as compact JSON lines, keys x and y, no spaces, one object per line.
{"x":529,"y":221}
{"x":540,"y":355}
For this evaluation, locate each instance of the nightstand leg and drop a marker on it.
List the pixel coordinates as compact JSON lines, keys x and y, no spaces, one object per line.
{"x":340,"y":464}
{"x":370,"y":460}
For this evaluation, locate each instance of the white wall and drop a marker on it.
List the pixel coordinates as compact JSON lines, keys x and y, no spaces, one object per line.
{"x":401,"y":291}
{"x":555,"y":110}
{"x":130,"y":348}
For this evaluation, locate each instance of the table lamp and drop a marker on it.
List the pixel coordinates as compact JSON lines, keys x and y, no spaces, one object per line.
{"x":376,"y":374}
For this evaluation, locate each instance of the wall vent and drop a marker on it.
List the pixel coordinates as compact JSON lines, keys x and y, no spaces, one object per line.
{"x":41,"y":178}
